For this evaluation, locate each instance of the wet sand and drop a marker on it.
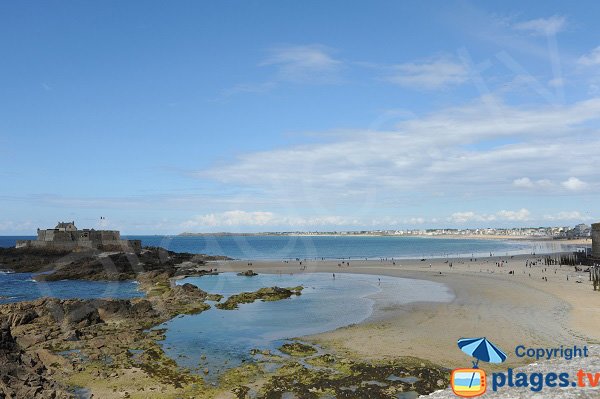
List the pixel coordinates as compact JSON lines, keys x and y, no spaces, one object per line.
{"x":509,"y":309}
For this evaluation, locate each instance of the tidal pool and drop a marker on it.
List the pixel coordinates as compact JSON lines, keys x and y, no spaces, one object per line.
{"x":221,"y":339}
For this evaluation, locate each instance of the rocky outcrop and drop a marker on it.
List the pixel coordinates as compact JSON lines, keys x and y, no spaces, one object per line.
{"x":30,"y":260}
{"x":96,"y":329}
{"x":119,"y":266}
{"x":248,"y":273}
{"x":98,"y":265}
{"x":264,"y":294}
{"x":23,"y":375}
{"x":297,"y":349}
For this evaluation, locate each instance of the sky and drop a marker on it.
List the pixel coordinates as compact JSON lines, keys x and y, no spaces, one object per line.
{"x":245,"y":116}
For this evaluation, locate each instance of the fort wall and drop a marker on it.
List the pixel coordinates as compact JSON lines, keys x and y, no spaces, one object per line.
{"x":110,"y":245}
{"x":65,"y":236}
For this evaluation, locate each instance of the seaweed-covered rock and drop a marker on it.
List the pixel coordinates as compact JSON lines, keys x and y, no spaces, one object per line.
{"x":264,"y":294}
{"x":298,"y":349}
{"x":248,"y":273}
{"x":355,"y":379}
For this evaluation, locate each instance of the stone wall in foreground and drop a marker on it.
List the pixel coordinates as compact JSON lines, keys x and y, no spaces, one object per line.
{"x":596,"y":240}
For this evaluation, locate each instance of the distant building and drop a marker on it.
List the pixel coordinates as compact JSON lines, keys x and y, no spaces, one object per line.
{"x":581,"y":230}
{"x":66,"y":236}
{"x":65,"y":226}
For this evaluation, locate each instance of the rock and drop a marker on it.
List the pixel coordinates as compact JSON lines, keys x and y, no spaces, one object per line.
{"x":265,"y":294}
{"x":248,"y":273}
{"x":22,"y":318}
{"x":72,"y":335}
{"x":123,"y":309}
{"x":27,"y":341}
{"x":188,"y":289}
{"x":23,"y":375}
{"x":297,"y":349}
{"x":48,"y":358}
{"x":84,"y":314}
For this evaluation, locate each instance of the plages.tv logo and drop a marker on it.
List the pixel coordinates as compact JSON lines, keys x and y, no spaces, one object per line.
{"x":471,"y":382}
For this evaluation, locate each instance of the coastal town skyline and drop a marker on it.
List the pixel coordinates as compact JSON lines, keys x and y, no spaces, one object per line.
{"x":579,"y":231}
{"x":235,"y":117}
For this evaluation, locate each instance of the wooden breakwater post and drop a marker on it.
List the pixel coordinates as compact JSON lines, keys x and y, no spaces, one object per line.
{"x":595,"y":273}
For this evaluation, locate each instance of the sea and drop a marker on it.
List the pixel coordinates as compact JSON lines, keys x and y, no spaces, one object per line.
{"x":279,"y":247}
{"x":17,"y":287}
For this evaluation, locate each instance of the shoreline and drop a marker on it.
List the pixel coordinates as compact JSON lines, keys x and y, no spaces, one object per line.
{"x":511,"y":309}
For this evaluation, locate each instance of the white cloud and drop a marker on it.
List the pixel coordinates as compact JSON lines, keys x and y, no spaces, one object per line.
{"x":230,"y":218}
{"x":464,"y":217}
{"x":435,"y":74}
{"x":311,"y":64}
{"x":526,"y":182}
{"x":305,"y":63}
{"x":503,"y":215}
{"x":567,"y":216}
{"x":239,"y":218}
{"x":520,"y":215}
{"x":523,"y":182}
{"x":574,"y":184}
{"x":543,"y":26}
{"x":590,"y":59}
{"x":446,"y":152}
{"x":267,"y":221}
{"x":12,"y":226}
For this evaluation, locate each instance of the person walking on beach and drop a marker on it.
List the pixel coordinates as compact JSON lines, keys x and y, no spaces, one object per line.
{"x":334,"y":276}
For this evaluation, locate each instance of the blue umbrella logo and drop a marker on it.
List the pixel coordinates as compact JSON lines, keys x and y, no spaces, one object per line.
{"x":481,"y":349}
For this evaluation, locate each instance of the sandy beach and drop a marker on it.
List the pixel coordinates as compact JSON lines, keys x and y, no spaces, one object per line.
{"x":510,"y":309}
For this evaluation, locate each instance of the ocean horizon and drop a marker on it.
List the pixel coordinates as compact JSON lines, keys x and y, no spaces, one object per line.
{"x":283,"y":247}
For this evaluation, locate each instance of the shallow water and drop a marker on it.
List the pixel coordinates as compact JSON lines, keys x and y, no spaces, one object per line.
{"x":225,"y":337}
{"x":16,"y":287}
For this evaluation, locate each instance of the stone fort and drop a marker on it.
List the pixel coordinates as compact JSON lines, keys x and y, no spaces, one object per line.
{"x":66,"y":236}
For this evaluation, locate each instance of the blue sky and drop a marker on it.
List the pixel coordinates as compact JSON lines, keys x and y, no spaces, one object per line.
{"x":281,"y":115}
